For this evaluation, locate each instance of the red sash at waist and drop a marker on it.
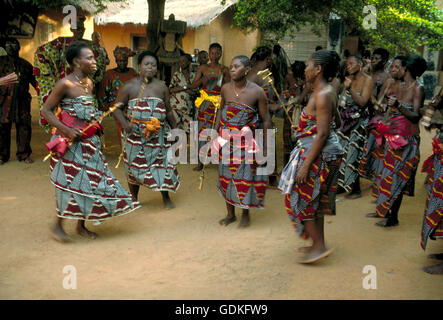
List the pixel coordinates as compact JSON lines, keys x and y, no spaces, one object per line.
{"x":248,"y":143}
{"x":61,"y":144}
{"x":437,"y":148}
{"x":394,"y":132}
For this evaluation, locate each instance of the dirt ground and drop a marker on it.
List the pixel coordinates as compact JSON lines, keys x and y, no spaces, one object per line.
{"x":184,"y":253}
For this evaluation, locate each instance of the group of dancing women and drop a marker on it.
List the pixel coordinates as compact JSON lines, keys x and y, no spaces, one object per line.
{"x":350,"y":123}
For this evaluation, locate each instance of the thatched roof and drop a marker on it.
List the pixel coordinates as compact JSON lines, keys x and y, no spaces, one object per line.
{"x":194,"y":12}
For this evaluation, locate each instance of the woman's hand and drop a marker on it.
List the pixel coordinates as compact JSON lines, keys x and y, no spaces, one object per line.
{"x":286,"y":94}
{"x":347,"y":83}
{"x":127,"y":127}
{"x":302,"y":174}
{"x":73,"y":133}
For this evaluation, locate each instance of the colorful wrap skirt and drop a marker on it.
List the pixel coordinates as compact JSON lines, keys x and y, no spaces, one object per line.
{"x":146,"y":159}
{"x":86,"y":189}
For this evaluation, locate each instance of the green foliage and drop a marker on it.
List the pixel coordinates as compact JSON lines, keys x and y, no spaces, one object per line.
{"x":402,"y":25}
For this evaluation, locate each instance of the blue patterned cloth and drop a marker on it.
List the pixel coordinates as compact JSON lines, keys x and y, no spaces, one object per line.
{"x":86,"y":189}
{"x":146,"y":160}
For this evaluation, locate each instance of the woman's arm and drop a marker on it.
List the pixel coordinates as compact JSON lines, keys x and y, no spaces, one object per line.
{"x":199,"y":78}
{"x":218,"y":114}
{"x":169,"y":114}
{"x":9,"y":79}
{"x":414,"y":116}
{"x":121,"y":101}
{"x":323,"y":111}
{"x":51,"y":103}
{"x":174,"y":87}
{"x":263,"y":111}
{"x":366,"y":92}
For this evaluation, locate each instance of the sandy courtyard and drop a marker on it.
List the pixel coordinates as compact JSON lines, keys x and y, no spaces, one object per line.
{"x":184,"y":253}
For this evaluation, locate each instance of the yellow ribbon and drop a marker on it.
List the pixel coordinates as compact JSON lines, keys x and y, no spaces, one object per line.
{"x":215,"y":100}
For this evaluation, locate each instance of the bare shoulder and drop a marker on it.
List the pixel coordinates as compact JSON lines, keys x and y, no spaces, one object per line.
{"x":385,"y":76}
{"x":253,"y":77}
{"x":225,"y":86}
{"x":161,"y":84}
{"x":367,"y":78}
{"x":327,"y":94}
{"x":419,"y":88}
{"x":258,"y":90}
{"x":255,"y":86}
{"x":133,"y":83}
{"x":65,"y":83}
{"x":90,"y":81}
{"x":203,"y":68}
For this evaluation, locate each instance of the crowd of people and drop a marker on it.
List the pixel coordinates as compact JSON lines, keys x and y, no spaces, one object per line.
{"x":343,"y":119}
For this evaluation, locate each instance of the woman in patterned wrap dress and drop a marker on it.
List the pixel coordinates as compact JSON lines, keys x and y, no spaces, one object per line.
{"x":146,"y":155}
{"x":86,"y":189}
{"x":432,"y":226}
{"x":309,"y":180}
{"x":242,"y":182}
{"x":402,"y":135}
{"x":210,"y":77}
{"x":358,"y":88}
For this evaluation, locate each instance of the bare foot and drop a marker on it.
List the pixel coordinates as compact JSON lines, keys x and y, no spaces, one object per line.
{"x":352,"y":196}
{"x":59,"y":234}
{"x":86,"y":233}
{"x":28,"y":160}
{"x":227,"y":220}
{"x":272,"y":182}
{"x":168,"y":204}
{"x":198,"y":168}
{"x":436,"y":256}
{"x":372,"y":215}
{"x":436,"y":269}
{"x":245,"y":221}
{"x":315,"y":255}
{"x":304,"y":249}
{"x":386,"y":223}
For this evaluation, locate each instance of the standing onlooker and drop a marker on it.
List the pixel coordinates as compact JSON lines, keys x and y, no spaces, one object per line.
{"x":180,"y":101}
{"x":115,"y":79}
{"x":15,"y":103}
{"x":353,"y":105}
{"x":50,"y":63}
{"x":96,"y":38}
{"x":432,"y":226}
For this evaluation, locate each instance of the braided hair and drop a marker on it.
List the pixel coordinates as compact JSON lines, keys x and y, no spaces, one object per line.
{"x":416,"y":65}
{"x":384,"y":54}
{"x":298,"y":69}
{"x":263,"y":52}
{"x":244,"y":60}
{"x":74,"y":49}
{"x":328,"y":60}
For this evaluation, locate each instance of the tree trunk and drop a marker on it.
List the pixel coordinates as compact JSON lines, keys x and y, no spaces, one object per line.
{"x":156,"y":16}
